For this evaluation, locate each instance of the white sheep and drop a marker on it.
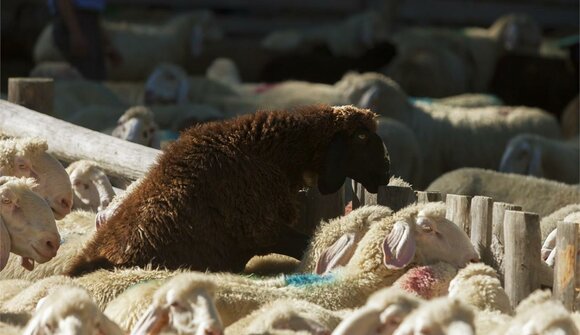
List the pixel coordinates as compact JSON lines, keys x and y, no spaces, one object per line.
{"x":70,"y":310}
{"x":478,"y":285}
{"x":178,"y":40}
{"x":225,"y":71}
{"x":418,"y":234}
{"x":91,"y":186}
{"x":27,"y":300}
{"x":549,"y":222}
{"x":350,"y":37}
{"x":74,"y":98}
{"x":138,"y":125}
{"x":75,"y":230}
{"x":191,"y":309}
{"x":403,"y":147}
{"x":440,"y":129}
{"x":28,"y":157}
{"x":438,"y":317}
{"x":542,"y":157}
{"x":27,"y":226}
{"x":287,"y":316}
{"x":56,"y":71}
{"x":437,"y":62}
{"x":11,"y":287}
{"x":170,"y":84}
{"x":338,"y":235}
{"x":466,"y":100}
{"x":570,"y":120}
{"x":334,"y":242}
{"x":549,"y":247}
{"x":547,"y":197}
{"x":548,"y":317}
{"x":387,"y":308}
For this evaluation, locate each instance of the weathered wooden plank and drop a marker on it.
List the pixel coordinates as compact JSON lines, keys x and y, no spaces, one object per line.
{"x":481,"y":214}
{"x":458,"y":210}
{"x":522,"y":254}
{"x":69,"y":142}
{"x":34,"y":93}
{"x":565,"y":271}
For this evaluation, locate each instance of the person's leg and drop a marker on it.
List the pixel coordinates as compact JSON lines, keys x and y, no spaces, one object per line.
{"x":92,"y":65}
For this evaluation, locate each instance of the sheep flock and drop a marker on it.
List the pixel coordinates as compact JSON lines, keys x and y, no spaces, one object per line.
{"x":347,"y":174}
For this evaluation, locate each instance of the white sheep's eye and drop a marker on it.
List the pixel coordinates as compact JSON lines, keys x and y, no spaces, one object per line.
{"x":6,"y":201}
{"x":86,"y":186}
{"x":22,"y":166}
{"x":427,"y":229}
{"x":177,"y":306}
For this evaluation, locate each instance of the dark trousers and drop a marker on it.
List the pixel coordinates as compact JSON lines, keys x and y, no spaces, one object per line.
{"x":92,"y":65}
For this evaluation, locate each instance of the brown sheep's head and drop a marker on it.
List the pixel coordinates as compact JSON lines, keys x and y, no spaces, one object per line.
{"x":361,"y":156}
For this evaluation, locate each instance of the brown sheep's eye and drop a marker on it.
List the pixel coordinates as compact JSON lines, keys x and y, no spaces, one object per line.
{"x":362,"y":136}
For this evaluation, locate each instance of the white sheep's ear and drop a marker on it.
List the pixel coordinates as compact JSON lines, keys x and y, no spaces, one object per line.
{"x":399,"y":246}
{"x":23,"y":168}
{"x":549,"y":244}
{"x":4,"y":245}
{"x":152,"y":321}
{"x":338,"y":254}
{"x":535,"y":168}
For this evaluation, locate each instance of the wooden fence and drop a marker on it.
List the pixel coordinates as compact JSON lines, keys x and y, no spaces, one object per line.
{"x":507,"y":238}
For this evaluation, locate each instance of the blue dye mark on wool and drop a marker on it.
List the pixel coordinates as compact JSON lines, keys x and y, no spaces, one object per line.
{"x":414,"y":100}
{"x":307,"y":279}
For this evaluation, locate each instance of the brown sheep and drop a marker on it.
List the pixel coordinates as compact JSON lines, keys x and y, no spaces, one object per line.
{"x":226,"y":191}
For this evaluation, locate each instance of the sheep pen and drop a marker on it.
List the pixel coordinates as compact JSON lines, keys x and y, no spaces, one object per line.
{"x":184,"y":222}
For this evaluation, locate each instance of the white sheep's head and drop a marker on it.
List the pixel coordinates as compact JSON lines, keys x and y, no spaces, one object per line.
{"x":28,"y":158}
{"x":138,"y":125}
{"x":418,"y":233}
{"x":381,"y":315}
{"x":522,"y":155}
{"x":440,"y":316}
{"x":183,"y":304}
{"x":27,"y":225}
{"x":71,"y":311}
{"x":91,"y":186}
{"x":439,"y":239}
{"x":287,"y":315}
{"x":166,"y":85}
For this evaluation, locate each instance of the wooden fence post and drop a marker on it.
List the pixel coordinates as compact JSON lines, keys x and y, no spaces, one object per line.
{"x":497,"y":236}
{"x":428,"y":196}
{"x":566,"y":269}
{"x":457,"y":210}
{"x":481,"y":224}
{"x":395,"y":197}
{"x":34,"y":93}
{"x":316,"y":207}
{"x":522,"y":254}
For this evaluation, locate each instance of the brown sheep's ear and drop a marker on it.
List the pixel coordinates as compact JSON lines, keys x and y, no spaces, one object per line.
{"x":333,"y":172}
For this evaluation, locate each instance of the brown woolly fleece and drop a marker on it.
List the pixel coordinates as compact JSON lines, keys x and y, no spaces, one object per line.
{"x":226,"y":191}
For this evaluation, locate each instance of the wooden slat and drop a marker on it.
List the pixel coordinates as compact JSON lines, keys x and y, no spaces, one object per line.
{"x":69,"y":142}
{"x":565,"y":270}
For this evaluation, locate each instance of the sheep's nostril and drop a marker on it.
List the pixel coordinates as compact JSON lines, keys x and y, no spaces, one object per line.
{"x":52,"y":245}
{"x":66,"y":204}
